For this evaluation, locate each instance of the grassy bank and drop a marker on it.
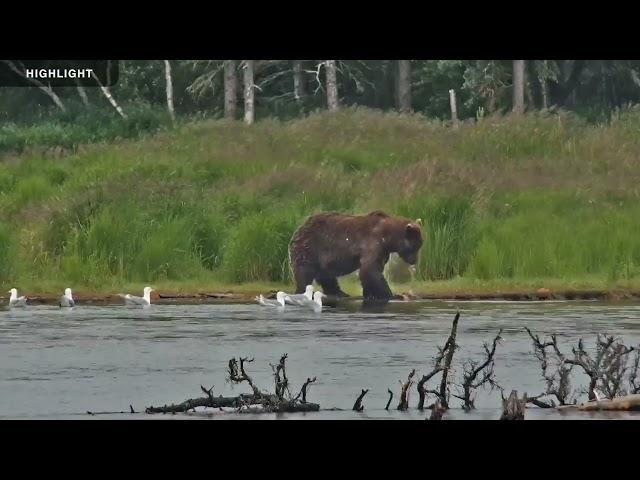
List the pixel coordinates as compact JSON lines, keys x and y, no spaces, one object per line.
{"x":544,"y":200}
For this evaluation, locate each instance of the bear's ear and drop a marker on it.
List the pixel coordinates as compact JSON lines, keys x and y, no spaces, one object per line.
{"x":412,"y":231}
{"x":419,"y":221}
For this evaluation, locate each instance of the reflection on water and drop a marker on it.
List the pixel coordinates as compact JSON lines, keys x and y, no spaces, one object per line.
{"x":60,"y":363}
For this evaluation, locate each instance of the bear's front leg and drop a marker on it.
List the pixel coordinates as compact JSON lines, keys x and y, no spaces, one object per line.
{"x":330,"y":286}
{"x":374,"y":285}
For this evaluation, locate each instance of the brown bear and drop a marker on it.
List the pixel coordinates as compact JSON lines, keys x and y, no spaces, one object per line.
{"x":330,"y":245}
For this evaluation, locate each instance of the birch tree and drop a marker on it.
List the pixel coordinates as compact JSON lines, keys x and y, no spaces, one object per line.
{"x":230,"y":89}
{"x":332,"y":84}
{"x":249,"y":93}
{"x":298,"y":81}
{"x":404,"y":86}
{"x":169,"y":89}
{"x":518,"y":86}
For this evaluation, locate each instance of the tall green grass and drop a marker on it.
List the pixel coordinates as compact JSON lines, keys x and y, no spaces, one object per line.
{"x":257,"y":248}
{"x":508,"y":199}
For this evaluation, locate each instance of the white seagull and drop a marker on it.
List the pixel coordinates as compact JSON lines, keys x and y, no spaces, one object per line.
{"x":145,"y":300}
{"x":278,"y":302}
{"x":300,"y":299}
{"x":66,"y":300}
{"x":15,"y":301}
{"x":316,"y":303}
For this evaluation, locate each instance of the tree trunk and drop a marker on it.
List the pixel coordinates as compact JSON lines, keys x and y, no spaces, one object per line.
{"x":404,"y":86}
{"x":529,"y":91}
{"x":332,"y":85}
{"x":169,"y":86}
{"x":82,"y":93}
{"x":230,"y":89}
{"x":248,"y":91}
{"x":518,"y":86}
{"x":454,"y":108}
{"x":298,"y":81}
{"x":544,"y":88}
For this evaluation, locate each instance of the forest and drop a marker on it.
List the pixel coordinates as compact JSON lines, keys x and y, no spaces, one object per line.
{"x":194,"y":173}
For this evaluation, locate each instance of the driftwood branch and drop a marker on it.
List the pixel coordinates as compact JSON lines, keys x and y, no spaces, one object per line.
{"x":358,"y":407}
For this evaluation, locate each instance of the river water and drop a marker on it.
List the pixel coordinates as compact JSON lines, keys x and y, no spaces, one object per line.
{"x":60,"y":363}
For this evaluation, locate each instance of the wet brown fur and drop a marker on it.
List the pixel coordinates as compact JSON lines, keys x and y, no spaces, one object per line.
{"x":330,"y":245}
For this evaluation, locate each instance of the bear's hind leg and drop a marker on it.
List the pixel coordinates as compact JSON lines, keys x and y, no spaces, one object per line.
{"x":330,"y":286}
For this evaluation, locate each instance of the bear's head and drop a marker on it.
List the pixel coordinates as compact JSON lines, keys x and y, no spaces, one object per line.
{"x":410,"y":243}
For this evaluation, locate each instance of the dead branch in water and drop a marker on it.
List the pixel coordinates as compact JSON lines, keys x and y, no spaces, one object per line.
{"x":282,"y":384}
{"x":422,"y":391}
{"x":558,"y":382}
{"x":513,"y":408}
{"x":404,"y":393}
{"x":614,"y":364}
{"x":358,"y":407}
{"x":448,"y":350}
{"x":607,"y":369}
{"x":472,"y":369}
{"x":390,"y":398}
{"x":303,"y":390}
{"x":242,"y":377}
{"x":131,"y":410}
{"x":539,"y":403}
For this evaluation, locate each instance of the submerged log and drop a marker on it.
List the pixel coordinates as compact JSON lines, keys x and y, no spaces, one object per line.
{"x":212,"y":402}
{"x":627,"y":403}
{"x":256,"y":402}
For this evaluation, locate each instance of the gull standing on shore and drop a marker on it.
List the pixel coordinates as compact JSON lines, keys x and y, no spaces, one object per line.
{"x":145,"y":300}
{"x":15,"y":301}
{"x":67,"y":299}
